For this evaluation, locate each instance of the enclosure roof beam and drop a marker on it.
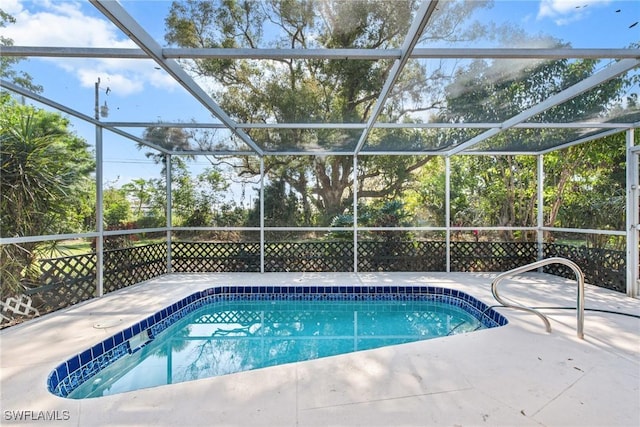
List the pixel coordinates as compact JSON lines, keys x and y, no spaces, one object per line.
{"x":499,"y":153}
{"x":242,"y":125}
{"x":275,"y":153}
{"x":381,"y":125}
{"x":214,"y":153}
{"x":413,"y":35}
{"x":524,"y":53}
{"x":250,"y":53}
{"x":182,"y":125}
{"x":526,"y":125}
{"x":416,"y":53}
{"x":46,"y":101}
{"x":357,"y":54}
{"x":119,"y":16}
{"x":582,"y":86}
{"x":311,"y":153}
{"x":74,"y":52}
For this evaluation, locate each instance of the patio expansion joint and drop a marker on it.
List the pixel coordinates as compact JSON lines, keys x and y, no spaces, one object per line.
{"x":557,"y":396}
{"x":388,"y":399}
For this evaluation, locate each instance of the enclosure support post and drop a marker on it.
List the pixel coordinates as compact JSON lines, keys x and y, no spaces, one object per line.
{"x":632,"y":216}
{"x":169,"y":204}
{"x":99,"y":200}
{"x":355,"y":213}
{"x":99,"y":215}
{"x":540,"y":190}
{"x":447,"y":214}
{"x":261,"y":214}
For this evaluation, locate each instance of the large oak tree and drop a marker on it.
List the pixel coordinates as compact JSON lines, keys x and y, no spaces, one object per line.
{"x":292,"y":90}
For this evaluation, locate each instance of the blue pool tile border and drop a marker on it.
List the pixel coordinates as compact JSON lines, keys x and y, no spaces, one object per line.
{"x":70,"y":374}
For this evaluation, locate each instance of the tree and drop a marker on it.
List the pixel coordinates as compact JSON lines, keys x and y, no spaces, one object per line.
{"x":494,"y":191}
{"x":281,"y":208}
{"x":173,"y":139}
{"x":196,"y":199}
{"x":139,"y":190}
{"x":45,"y":180}
{"x":117,"y":209}
{"x":311,"y":90}
{"x":502,"y":191}
{"x":586,"y":188}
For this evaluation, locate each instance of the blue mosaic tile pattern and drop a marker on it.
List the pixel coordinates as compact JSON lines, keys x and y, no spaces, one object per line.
{"x":81,"y":367}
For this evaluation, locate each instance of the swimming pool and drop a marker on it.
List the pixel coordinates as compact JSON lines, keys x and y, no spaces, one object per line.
{"x":233,"y":328}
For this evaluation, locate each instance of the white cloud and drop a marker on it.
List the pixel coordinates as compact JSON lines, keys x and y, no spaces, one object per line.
{"x":119,"y":84}
{"x":63,"y":24}
{"x":12,"y":7}
{"x":60,"y":24}
{"x":563,"y":12}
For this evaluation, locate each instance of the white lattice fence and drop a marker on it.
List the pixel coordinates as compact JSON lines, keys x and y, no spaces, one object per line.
{"x":19,"y":306}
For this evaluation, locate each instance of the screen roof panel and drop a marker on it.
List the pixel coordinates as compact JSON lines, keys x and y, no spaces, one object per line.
{"x":536,"y":139}
{"x":260,"y":24}
{"x":416,"y":140}
{"x":355,"y":76}
{"x":296,"y":140}
{"x":181,"y":137}
{"x":292,"y":90}
{"x":615,"y":100}
{"x":533,"y":24}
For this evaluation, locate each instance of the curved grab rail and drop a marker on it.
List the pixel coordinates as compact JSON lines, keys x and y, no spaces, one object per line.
{"x":555,"y":260}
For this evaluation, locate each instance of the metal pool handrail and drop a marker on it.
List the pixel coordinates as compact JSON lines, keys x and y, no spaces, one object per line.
{"x":555,"y":260}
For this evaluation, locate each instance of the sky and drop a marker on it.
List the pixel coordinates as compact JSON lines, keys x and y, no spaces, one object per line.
{"x":136,"y":90}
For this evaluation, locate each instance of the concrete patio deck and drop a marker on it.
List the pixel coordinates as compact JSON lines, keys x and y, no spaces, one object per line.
{"x":516,"y":375}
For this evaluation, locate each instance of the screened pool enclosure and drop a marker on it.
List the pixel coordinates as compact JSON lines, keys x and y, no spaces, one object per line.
{"x":322,"y":136}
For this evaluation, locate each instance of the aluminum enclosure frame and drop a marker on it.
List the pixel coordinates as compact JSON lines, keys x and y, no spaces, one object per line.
{"x":148,"y":48}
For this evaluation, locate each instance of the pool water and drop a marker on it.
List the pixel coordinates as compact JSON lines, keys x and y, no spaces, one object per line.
{"x":232,"y":336}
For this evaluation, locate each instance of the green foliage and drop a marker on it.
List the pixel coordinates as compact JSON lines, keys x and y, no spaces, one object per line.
{"x":426,"y":198}
{"x":493,"y":91}
{"x":230,"y":215}
{"x":342,"y":221}
{"x":45,"y":183}
{"x":494,"y":190}
{"x":194,"y":200}
{"x":586,"y":187}
{"x":281,"y":208}
{"x":117,"y":209}
{"x":141,"y":191}
{"x":45,"y":170}
{"x":390,"y":214}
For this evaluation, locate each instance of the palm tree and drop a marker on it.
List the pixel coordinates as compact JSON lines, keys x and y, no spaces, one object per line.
{"x":45,"y":169}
